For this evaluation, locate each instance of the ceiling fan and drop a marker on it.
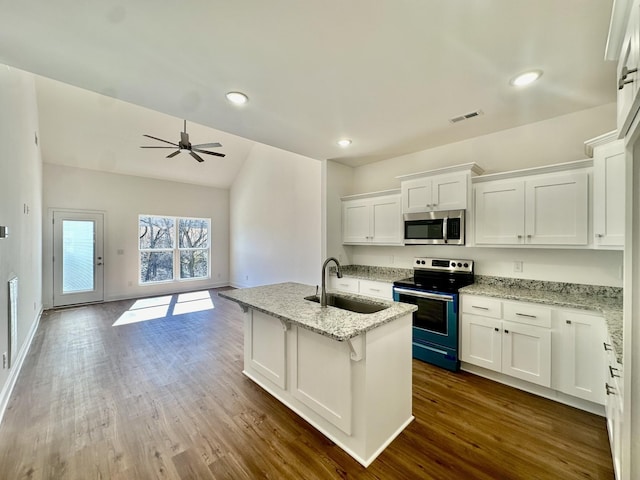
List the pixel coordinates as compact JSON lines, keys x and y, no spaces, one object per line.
{"x":185,"y":146}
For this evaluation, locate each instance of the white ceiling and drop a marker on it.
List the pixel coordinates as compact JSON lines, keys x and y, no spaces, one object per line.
{"x":387,"y":73}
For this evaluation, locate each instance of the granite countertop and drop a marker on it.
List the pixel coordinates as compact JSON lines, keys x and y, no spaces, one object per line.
{"x":379,"y":274}
{"x":286,"y":302}
{"x":605,"y":300}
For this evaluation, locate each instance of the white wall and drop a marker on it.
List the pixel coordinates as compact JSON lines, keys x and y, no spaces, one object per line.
{"x":123,"y":198}
{"x":337,"y":182}
{"x":557,"y":140}
{"x":20,"y":204}
{"x":276,"y":219}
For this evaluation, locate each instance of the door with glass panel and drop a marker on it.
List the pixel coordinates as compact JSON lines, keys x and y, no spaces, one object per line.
{"x":78,"y":262}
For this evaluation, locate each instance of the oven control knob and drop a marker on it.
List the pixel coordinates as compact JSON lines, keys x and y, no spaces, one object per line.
{"x":459,"y":264}
{"x":453,"y":264}
{"x":422,"y":262}
{"x":417,"y":262}
{"x":466,"y":265}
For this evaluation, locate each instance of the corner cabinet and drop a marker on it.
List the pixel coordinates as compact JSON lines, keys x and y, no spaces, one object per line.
{"x":609,"y":166}
{"x":437,"y":190}
{"x":529,"y":208}
{"x":372,"y":218}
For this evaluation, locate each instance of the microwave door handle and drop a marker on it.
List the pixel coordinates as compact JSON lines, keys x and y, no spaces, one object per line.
{"x":444,"y":229}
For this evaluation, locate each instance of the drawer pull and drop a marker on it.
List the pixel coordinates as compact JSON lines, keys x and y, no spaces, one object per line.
{"x":525,"y":315}
{"x":607,"y":347}
{"x":374,"y":289}
{"x":479,"y":308}
{"x":610,"y":389}
{"x":611,"y":370}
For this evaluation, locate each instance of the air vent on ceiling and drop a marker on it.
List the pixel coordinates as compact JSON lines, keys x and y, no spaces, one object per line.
{"x":466,"y":116}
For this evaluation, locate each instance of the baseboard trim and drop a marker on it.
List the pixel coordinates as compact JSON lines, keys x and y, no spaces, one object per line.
{"x":14,"y":372}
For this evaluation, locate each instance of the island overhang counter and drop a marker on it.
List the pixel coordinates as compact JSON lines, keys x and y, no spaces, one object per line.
{"x":347,"y":374}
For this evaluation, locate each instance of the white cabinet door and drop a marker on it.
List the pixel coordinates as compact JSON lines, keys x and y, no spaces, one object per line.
{"x":321,"y":377}
{"x":578,"y":368}
{"x":416,"y":195}
{"x":628,"y":99}
{"x":264,"y":347}
{"x":556,"y":207}
{"x":481,"y":341}
{"x":526,"y":352}
{"x":608,"y":194}
{"x":449,"y":192}
{"x":386,"y":220}
{"x":355,"y":221}
{"x":499,"y":214}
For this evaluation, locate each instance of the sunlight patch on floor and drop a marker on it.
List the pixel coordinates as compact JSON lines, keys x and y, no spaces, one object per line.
{"x":166,"y":306}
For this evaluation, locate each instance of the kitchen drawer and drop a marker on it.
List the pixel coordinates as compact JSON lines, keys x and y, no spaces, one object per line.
{"x":483,"y":306}
{"x":528,"y":313}
{"x":344,"y":284}
{"x":374,"y":288}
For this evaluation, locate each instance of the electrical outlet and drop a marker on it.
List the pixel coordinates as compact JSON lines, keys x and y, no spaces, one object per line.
{"x":4,"y":360}
{"x":517,"y":266}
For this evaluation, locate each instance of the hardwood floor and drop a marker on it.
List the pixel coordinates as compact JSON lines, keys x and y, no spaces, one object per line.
{"x":166,"y":399}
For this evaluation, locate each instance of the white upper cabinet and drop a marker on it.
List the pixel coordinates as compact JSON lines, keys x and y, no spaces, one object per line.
{"x":545,"y":209}
{"x":628,"y":101}
{"x":608,"y":191}
{"x":437,"y":190}
{"x":372,"y":219}
{"x":442,"y":192}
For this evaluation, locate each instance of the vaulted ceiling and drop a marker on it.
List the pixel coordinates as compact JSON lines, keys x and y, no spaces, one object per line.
{"x":388,"y":74}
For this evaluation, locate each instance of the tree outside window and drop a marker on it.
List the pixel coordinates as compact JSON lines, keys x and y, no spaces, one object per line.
{"x":159,"y":251}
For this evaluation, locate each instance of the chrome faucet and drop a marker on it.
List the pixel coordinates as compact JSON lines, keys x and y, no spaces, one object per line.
{"x":323,"y":295}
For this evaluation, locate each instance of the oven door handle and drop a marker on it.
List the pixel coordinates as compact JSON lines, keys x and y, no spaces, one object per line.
{"x":433,"y":296}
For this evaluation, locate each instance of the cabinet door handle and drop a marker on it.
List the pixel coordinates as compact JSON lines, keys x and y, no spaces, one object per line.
{"x":525,"y":315}
{"x":610,"y":389}
{"x":622,"y":81}
{"x":479,"y":308}
{"x":506,"y":331}
{"x":496,"y":329}
{"x":599,"y":235}
{"x":607,"y":347}
{"x":519,"y":236}
{"x":613,"y":375}
{"x":568,"y":322}
{"x":529,"y":236}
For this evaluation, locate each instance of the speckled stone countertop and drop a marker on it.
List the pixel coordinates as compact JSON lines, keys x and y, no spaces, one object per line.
{"x":605,"y":300}
{"x":286,"y":301}
{"x":380,"y":274}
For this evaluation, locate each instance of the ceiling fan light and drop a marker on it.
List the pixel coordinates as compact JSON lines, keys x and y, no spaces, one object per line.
{"x":237,"y":98}
{"x":526,"y":78}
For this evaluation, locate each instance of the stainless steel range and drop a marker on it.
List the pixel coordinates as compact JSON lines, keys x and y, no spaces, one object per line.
{"x":434,"y":289}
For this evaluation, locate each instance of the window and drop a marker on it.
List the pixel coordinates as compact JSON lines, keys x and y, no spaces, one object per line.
{"x":169,"y":244}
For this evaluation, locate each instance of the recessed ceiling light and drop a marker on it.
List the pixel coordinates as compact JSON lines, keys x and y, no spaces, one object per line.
{"x":237,"y":98}
{"x":525,"y":78}
{"x":345,"y":142}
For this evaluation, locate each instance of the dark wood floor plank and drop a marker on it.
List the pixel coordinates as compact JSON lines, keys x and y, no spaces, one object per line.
{"x":166,"y":399}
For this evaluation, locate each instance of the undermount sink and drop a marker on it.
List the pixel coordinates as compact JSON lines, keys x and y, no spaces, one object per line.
{"x":351,"y":304}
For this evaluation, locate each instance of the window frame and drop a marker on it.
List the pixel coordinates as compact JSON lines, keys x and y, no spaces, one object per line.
{"x":175,"y":250}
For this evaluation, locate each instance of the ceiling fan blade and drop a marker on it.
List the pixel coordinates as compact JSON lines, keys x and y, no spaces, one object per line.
{"x":157,"y":147}
{"x":196,"y":156}
{"x":171,"y":155}
{"x":161,"y":140}
{"x":208,"y":153}
{"x":207,"y":145}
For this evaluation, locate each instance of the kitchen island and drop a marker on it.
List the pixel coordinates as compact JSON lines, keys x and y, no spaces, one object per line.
{"x":347,"y":374}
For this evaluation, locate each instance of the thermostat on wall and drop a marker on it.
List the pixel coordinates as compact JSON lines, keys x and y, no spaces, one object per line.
{"x":4,"y":232}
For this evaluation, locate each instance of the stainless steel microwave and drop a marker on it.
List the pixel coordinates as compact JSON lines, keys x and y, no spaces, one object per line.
{"x":434,"y":228}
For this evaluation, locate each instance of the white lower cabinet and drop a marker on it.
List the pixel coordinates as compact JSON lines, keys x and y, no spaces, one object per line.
{"x":614,"y":405}
{"x":521,"y":349}
{"x":370,"y":288}
{"x":579,"y":356}
{"x":556,"y":348}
